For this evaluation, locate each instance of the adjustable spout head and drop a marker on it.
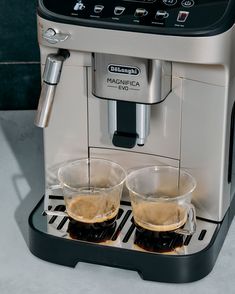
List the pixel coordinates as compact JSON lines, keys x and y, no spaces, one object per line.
{"x":129,"y":123}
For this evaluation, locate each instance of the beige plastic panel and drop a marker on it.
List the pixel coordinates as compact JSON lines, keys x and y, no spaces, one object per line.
{"x":204,"y":150}
{"x":165,"y":123}
{"x":76,"y":58}
{"x":231,"y":95}
{"x":202,"y":50}
{"x":66,"y":136}
{"x":131,"y":160}
{"x":211,"y":74}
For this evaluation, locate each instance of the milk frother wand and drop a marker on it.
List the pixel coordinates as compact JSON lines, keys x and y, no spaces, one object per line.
{"x":51,"y":77}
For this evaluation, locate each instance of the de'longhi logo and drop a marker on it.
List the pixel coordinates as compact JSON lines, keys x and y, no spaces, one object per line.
{"x":123,"y":69}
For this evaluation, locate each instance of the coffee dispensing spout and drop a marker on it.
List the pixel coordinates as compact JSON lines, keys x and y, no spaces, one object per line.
{"x":51,"y":77}
{"x":128,"y":123}
{"x":142,"y":123}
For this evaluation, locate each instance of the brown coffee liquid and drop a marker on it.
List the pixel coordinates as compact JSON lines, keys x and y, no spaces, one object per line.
{"x":155,"y":225}
{"x":96,"y":232}
{"x":154,"y":241}
{"x":92,"y":219}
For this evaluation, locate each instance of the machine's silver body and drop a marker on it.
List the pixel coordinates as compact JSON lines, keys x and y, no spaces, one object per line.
{"x":189,"y":129}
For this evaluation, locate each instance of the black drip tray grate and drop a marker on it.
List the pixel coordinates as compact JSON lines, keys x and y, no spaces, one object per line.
{"x":123,"y":234}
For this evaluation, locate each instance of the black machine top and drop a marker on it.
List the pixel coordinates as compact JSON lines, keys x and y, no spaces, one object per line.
{"x":166,"y":17}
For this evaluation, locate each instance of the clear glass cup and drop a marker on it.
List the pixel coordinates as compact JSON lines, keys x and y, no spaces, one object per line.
{"x":92,"y":191}
{"x":161,"y":202}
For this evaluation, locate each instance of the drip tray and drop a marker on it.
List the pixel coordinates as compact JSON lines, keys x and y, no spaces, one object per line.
{"x":123,"y":236}
{"x":49,"y":240}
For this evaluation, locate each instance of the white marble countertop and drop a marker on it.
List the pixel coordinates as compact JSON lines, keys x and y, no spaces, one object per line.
{"x":21,"y":178}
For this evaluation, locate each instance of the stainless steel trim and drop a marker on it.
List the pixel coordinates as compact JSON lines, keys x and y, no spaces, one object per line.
{"x":55,"y":213}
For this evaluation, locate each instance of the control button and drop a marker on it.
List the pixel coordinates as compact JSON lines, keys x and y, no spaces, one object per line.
{"x":98,"y":8}
{"x":169,"y":2}
{"x":161,"y":14}
{"x":118,"y":10}
{"x":187,"y":3}
{"x":140,"y":12}
{"x":52,"y":37}
{"x":49,"y":33}
{"x":182,"y":16}
{"x":79,"y":6}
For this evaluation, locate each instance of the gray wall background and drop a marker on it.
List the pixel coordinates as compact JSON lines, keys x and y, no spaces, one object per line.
{"x":19,"y":55}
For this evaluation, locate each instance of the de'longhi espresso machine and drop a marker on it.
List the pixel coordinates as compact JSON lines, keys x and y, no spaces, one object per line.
{"x":145,"y":82}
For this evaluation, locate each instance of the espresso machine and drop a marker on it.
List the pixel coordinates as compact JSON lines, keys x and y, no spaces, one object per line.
{"x":139,"y":82}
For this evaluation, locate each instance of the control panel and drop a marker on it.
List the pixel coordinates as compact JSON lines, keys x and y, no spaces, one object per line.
{"x":139,"y":15}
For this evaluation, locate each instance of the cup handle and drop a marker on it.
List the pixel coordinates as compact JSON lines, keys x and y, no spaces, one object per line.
{"x":191,"y":221}
{"x":51,"y":191}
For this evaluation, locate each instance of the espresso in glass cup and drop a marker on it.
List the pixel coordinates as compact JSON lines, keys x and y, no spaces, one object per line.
{"x":161,"y":203}
{"x":92,"y":191}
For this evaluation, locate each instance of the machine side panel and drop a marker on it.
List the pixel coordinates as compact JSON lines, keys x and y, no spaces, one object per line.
{"x":231,"y":118}
{"x":203,"y":148}
{"x":68,"y":124}
{"x":231,"y":105}
{"x":210,"y":74}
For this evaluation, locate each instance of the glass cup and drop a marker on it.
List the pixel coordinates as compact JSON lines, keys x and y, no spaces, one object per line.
{"x":92,"y":191}
{"x":161,"y":202}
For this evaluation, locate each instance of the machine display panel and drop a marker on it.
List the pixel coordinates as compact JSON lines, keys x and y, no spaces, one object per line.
{"x":150,"y":16}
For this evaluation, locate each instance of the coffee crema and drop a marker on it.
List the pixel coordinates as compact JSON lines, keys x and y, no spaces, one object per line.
{"x":92,"y":208}
{"x":159,"y":216}
{"x":92,"y":217}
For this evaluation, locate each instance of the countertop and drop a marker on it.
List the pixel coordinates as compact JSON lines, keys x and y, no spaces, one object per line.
{"x":21,"y":174}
